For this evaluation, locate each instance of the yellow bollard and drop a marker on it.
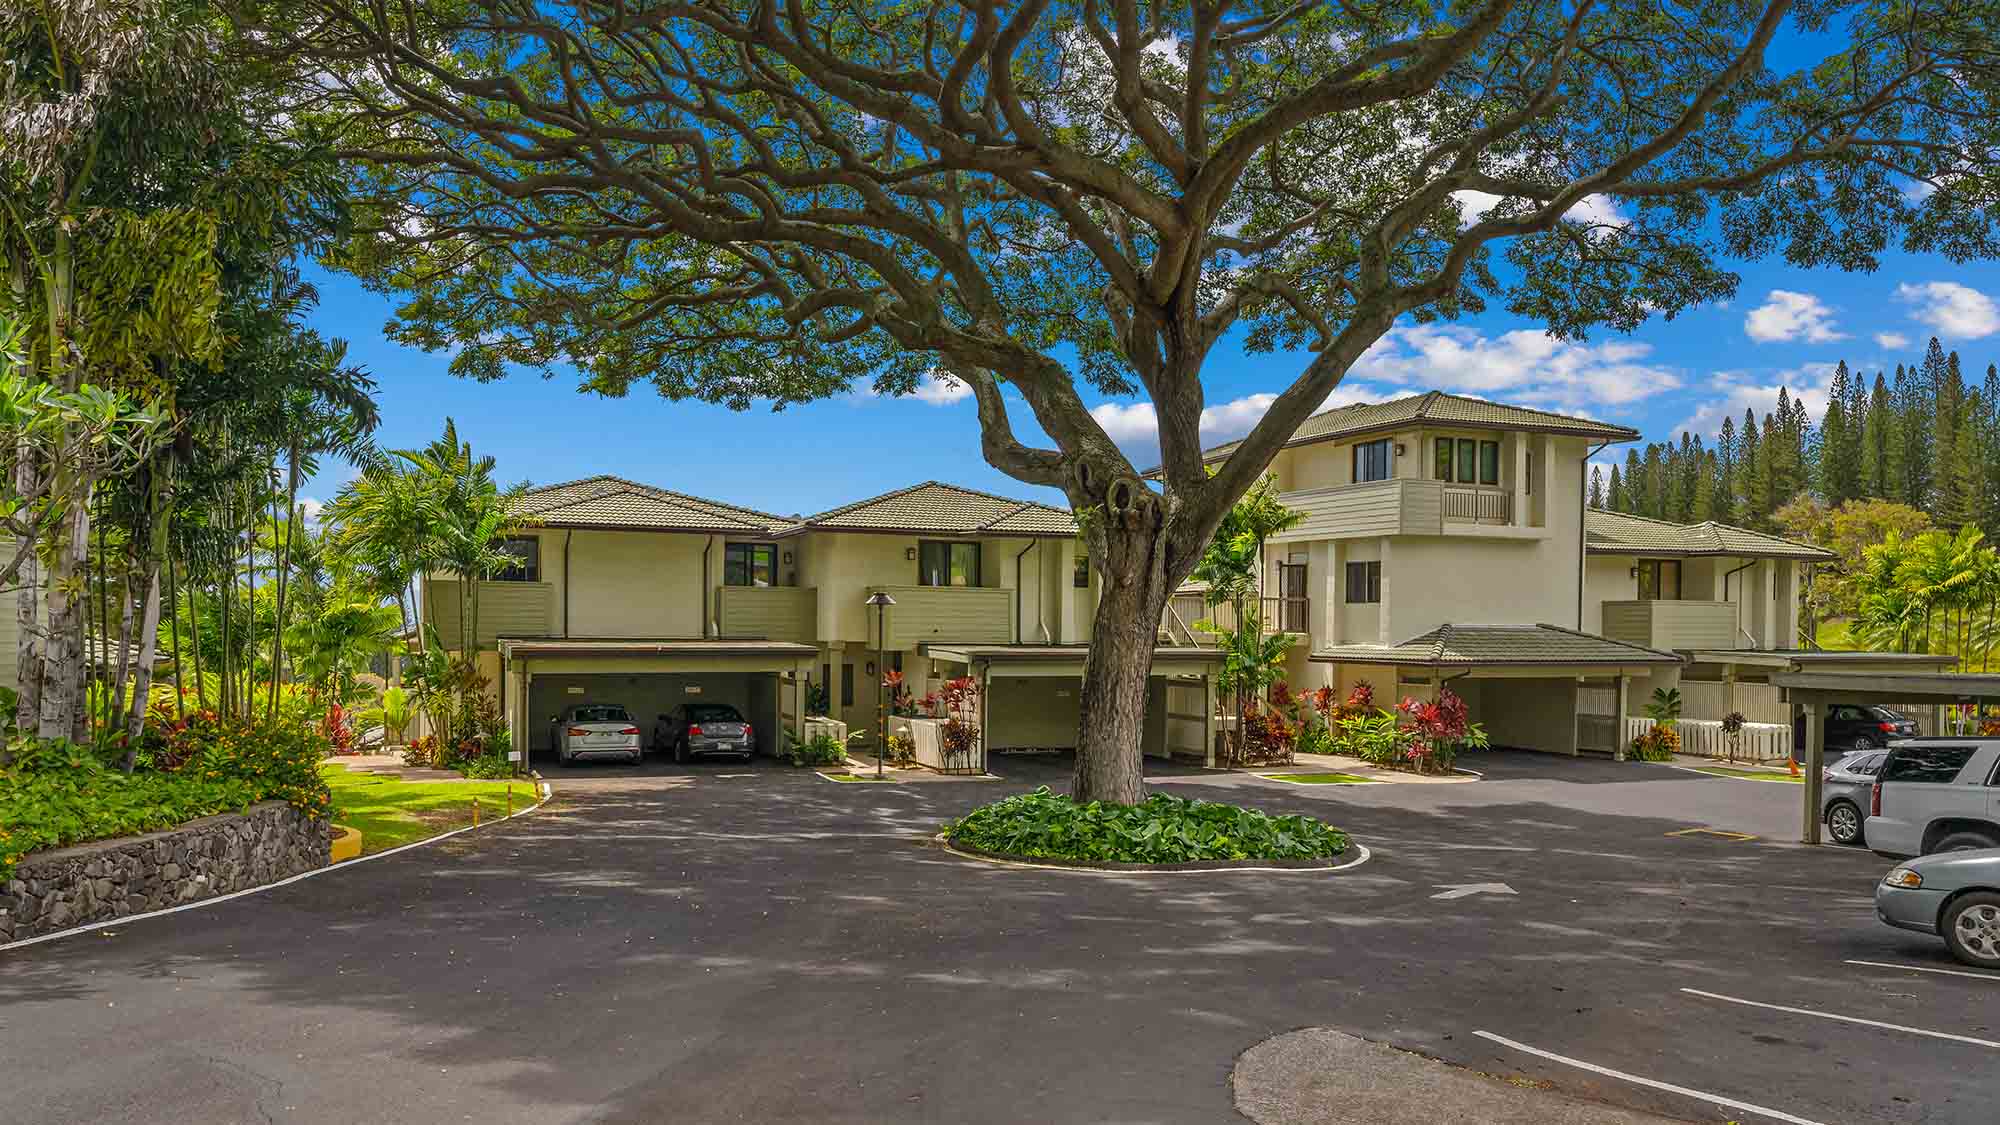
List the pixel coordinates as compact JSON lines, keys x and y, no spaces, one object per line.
{"x":510,"y":798}
{"x":475,"y":812}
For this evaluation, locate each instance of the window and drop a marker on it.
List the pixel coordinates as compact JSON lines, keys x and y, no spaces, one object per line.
{"x":749,"y":564}
{"x":599,"y":713}
{"x":527,"y":555}
{"x":1659,"y":580}
{"x":1080,"y":578}
{"x":1371,"y":460}
{"x":1364,"y":583}
{"x":847,"y":685}
{"x":1528,"y":485}
{"x":1466,"y":461}
{"x":1934,"y":764}
{"x":941,"y":563}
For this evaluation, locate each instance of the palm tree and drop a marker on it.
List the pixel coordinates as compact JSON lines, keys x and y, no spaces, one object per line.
{"x":472,"y":514}
{"x":383,"y":524}
{"x":335,"y":643}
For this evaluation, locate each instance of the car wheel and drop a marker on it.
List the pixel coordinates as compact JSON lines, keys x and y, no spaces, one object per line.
{"x":1971,"y":928}
{"x":1863,"y":745}
{"x":1965,"y":842}
{"x":1843,"y":822}
{"x":681,"y":751}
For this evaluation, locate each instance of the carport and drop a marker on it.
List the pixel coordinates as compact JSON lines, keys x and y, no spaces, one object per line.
{"x":1815,"y":690}
{"x":1533,"y":687}
{"x":766,"y":680}
{"x":1029,"y":696}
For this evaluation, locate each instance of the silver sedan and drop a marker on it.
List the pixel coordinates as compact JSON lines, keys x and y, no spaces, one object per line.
{"x":1955,"y":895}
{"x":1846,"y":793}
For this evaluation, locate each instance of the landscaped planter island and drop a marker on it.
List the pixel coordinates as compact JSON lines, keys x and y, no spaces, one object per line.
{"x":1161,"y":833}
{"x":64,"y":887}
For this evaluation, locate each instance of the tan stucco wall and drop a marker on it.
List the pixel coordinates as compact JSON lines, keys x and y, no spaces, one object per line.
{"x":1766,"y":593}
{"x":1537,"y":715}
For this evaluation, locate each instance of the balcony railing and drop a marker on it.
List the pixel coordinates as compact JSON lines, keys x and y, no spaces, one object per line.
{"x":928,"y":614}
{"x":1275,"y":615}
{"x":1401,"y":506}
{"x":1673,"y":624}
{"x":772,"y":613}
{"x":1463,"y":504}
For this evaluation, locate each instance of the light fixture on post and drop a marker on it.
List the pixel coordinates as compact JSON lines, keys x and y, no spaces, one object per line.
{"x":881,"y":600}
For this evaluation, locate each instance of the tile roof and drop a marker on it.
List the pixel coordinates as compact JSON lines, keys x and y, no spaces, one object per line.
{"x":934,"y":507}
{"x":1616,"y":533}
{"x":614,"y":502}
{"x":1475,"y":645}
{"x":1436,"y":408}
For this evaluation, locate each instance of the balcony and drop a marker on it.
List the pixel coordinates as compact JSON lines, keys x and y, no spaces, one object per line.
{"x":769,"y":613}
{"x":938,"y":614}
{"x":1404,"y":506}
{"x":506,"y":609}
{"x":1277,"y":615}
{"x":1671,"y":624}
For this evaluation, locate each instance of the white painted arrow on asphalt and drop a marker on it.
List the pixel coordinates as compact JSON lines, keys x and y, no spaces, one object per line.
{"x":1462,"y":890}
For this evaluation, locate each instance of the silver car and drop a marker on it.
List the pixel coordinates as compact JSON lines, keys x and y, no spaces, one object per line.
{"x":702,"y":730}
{"x":1847,"y":793}
{"x":1936,"y":795}
{"x":1955,"y":895}
{"x":595,"y":730}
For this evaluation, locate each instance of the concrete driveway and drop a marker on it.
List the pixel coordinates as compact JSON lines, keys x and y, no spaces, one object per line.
{"x":674,"y":944}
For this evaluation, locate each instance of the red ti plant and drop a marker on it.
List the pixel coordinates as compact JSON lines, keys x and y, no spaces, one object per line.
{"x":1439,"y":729}
{"x":957,"y":703}
{"x":898,"y":691}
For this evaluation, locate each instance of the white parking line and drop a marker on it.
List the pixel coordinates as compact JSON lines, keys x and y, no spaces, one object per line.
{"x":1990,"y":977}
{"x":1845,"y":1019}
{"x":1652,"y":1083}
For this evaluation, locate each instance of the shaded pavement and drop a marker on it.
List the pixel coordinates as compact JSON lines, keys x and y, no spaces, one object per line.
{"x":716,"y":943}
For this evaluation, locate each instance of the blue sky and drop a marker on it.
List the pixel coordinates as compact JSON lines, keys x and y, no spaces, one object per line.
{"x":1784,"y":327}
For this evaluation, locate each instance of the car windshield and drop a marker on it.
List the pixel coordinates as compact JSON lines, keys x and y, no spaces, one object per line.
{"x":713,"y":713}
{"x":601,"y":713}
{"x":1885,"y":714}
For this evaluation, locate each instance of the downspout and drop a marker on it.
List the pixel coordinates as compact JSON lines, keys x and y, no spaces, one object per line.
{"x":1727,"y":575}
{"x":566,"y":538}
{"x":1019,"y":635}
{"x":701,"y":587}
{"x":1582,"y":532}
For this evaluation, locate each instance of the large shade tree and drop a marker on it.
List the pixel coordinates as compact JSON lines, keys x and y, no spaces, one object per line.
{"x":748,"y":200}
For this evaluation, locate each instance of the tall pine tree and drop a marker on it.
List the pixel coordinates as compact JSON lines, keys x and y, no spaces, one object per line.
{"x":1839,"y":443}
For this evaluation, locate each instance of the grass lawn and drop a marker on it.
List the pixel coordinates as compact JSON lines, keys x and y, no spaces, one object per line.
{"x":390,"y":812}
{"x":1319,"y":778}
{"x":1750,"y":775}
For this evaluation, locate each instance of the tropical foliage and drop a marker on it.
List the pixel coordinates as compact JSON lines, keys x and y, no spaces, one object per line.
{"x":1161,"y":829}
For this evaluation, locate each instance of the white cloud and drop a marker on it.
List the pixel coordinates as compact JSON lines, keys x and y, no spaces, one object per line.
{"x":1592,"y":209}
{"x":1953,"y":309}
{"x":1525,"y":366}
{"x":310,"y":509}
{"x":1759,"y":393}
{"x":1790,"y":315}
{"x":1134,"y":425}
{"x":1891,"y":341}
{"x":940,"y":389}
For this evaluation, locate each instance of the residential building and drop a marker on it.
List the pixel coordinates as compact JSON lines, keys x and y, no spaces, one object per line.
{"x":644,"y":596}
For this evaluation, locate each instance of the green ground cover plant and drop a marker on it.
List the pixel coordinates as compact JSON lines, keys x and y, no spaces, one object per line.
{"x":1160,"y":829}
{"x":54,"y":793}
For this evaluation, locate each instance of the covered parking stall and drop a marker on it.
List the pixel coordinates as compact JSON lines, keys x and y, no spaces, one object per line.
{"x":1029,"y":696}
{"x":1814,"y":691}
{"x":765,"y":680}
{"x":1533,"y":687}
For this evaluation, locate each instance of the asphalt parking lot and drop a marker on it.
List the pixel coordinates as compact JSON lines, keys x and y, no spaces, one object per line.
{"x":716,"y":943}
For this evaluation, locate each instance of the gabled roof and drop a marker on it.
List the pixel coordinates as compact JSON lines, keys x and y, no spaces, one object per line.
{"x":936,"y":508}
{"x":1436,"y":408}
{"x":1616,"y":533}
{"x":1486,"y":645}
{"x":616,"y":503}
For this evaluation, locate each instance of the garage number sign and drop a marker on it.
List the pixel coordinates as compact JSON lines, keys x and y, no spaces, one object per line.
{"x":692,"y":689}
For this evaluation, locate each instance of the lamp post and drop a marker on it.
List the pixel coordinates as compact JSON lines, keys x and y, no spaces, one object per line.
{"x":881,"y":600}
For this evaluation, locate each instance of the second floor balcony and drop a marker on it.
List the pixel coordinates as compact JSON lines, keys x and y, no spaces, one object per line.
{"x":1674,"y":624}
{"x":769,"y":613}
{"x":935,"y":614}
{"x":1275,"y":615}
{"x":1404,"y":506}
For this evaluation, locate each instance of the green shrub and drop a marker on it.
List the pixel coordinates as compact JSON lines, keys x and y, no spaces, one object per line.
{"x":487,"y":767}
{"x":55,"y":793}
{"x":1162,"y":829}
{"x":820,"y":750}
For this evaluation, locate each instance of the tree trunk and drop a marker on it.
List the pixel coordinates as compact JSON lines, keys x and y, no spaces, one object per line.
{"x":62,"y":657}
{"x":1117,"y":670}
{"x":115,"y":704}
{"x":142,"y":675}
{"x":173,"y":593}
